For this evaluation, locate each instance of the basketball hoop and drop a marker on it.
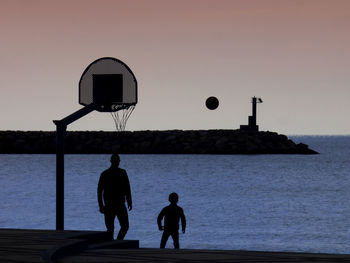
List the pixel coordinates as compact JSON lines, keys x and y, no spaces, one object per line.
{"x":107,"y":85}
{"x":110,"y":85}
{"x":121,"y":115}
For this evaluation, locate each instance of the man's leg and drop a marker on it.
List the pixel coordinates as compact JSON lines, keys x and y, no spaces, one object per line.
{"x":164,"y":239}
{"x":123,"y":222}
{"x":175,"y":236}
{"x":109,"y":221}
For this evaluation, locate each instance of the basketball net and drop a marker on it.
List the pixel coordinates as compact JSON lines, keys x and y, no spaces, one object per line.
{"x":121,"y":116}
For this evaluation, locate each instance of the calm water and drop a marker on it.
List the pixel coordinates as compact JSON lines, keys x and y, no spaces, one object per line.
{"x":258,"y":202}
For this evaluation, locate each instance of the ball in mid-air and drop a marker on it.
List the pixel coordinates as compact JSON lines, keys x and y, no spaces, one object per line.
{"x":212,"y":103}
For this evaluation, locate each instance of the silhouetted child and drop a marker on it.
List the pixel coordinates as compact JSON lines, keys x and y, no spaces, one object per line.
{"x":172,"y":214}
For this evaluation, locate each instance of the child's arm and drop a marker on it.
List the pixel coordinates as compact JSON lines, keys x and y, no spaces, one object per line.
{"x":183,"y":221}
{"x":159,"y":219}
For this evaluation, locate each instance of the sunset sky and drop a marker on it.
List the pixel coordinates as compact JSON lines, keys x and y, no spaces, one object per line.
{"x":294,"y":54}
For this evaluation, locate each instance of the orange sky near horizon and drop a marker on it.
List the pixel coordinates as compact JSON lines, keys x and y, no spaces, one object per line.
{"x":294,"y":54}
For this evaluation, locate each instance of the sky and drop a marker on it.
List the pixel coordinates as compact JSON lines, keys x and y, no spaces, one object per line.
{"x":294,"y":54}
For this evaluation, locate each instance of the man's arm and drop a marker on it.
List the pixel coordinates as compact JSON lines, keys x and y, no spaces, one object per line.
{"x":99,"y":194}
{"x":183,"y":220}
{"x":160,"y":218}
{"x":128,"y":192}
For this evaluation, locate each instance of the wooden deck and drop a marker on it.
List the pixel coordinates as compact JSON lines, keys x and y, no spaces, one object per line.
{"x":188,"y":255}
{"x":18,"y":245}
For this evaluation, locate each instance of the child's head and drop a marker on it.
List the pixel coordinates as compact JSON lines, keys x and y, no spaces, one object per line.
{"x":173,"y":198}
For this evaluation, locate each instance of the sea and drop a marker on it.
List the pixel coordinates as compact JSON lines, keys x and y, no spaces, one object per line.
{"x":298,"y":203}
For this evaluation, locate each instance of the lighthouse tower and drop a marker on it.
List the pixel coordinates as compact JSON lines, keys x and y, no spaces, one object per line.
{"x":252,"y":127}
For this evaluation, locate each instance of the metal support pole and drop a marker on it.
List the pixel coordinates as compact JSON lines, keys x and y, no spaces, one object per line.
{"x":61,"y":126}
{"x":60,"y":133}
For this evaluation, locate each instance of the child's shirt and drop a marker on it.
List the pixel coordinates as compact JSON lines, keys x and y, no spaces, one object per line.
{"x":172,"y":214}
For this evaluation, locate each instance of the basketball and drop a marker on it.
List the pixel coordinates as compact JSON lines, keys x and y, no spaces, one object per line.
{"x":212,"y":103}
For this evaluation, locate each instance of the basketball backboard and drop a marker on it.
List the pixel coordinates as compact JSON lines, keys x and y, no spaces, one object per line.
{"x":109,"y":84}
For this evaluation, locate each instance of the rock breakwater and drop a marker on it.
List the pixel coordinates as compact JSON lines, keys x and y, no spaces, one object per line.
{"x":153,"y":142}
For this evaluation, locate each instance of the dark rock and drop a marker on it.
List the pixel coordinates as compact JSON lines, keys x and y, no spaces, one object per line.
{"x":153,"y":142}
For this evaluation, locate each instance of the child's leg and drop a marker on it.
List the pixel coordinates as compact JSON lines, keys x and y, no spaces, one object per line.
{"x":164,"y":239}
{"x":175,"y":236}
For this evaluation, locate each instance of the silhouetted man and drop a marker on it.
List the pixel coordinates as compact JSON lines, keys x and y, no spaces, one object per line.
{"x":113,"y":189}
{"x":172,"y":213}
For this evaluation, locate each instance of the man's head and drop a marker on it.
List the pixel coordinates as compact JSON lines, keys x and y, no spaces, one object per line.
{"x":115,"y":159}
{"x":173,"y":198}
